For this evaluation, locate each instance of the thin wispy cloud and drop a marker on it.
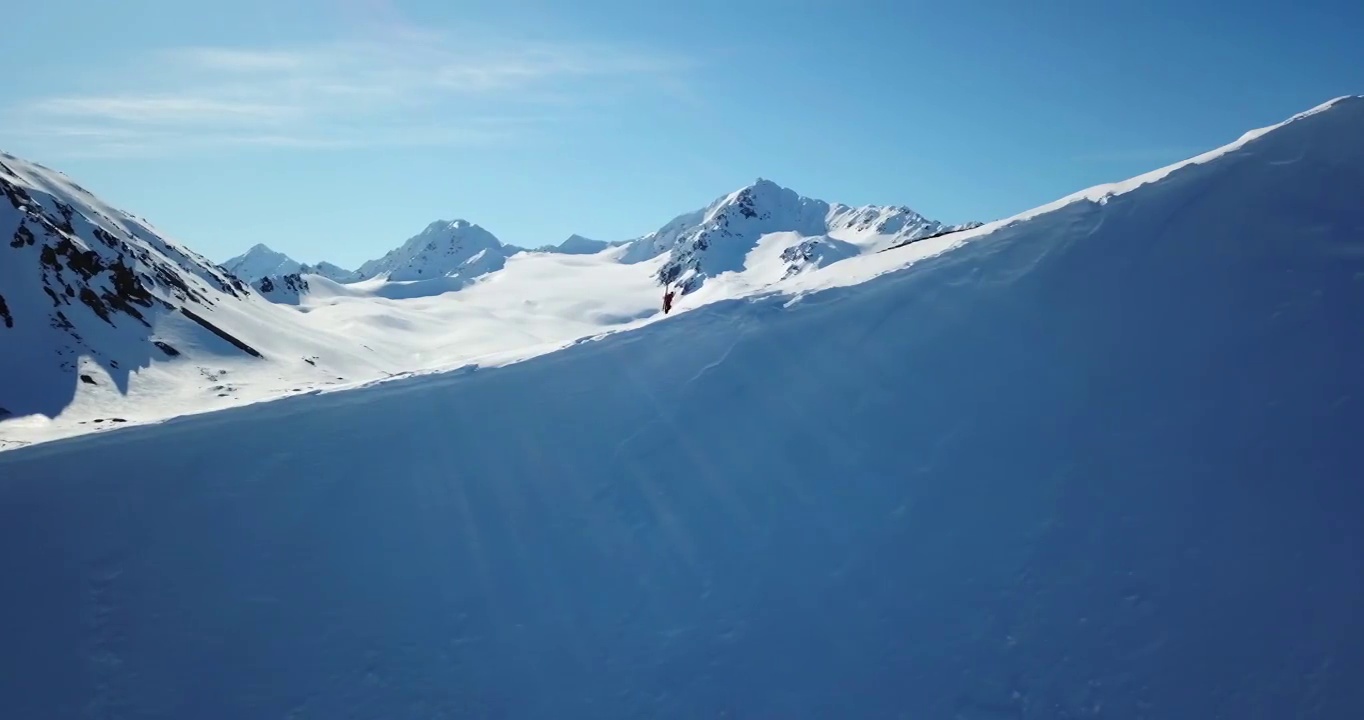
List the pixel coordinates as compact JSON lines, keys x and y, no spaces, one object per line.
{"x":404,"y":87}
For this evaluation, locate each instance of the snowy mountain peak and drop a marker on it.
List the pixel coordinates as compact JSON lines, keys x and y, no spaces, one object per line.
{"x":269,"y":271}
{"x":767,"y":224}
{"x":445,"y":248}
{"x":766,"y":200}
{"x":579,"y":245}
{"x":259,"y":262}
{"x":330,"y":271}
{"x":454,"y":226}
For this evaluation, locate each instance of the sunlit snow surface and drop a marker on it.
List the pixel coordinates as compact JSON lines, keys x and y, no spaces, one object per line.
{"x":1097,"y":461}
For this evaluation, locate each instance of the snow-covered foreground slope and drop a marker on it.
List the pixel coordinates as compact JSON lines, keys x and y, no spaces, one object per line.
{"x":105,"y":322}
{"x":1102,"y":461}
{"x":341,"y":335}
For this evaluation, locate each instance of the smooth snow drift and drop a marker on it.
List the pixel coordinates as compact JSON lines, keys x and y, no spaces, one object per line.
{"x":1099,"y":462}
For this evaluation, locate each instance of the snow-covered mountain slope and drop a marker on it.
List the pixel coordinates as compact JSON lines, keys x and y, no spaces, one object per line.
{"x":105,"y":317}
{"x":1098,"y":460}
{"x":769,"y":232}
{"x":285,"y":289}
{"x":455,"y":249}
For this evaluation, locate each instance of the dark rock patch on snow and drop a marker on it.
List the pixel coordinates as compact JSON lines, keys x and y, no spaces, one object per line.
{"x":220,"y":333}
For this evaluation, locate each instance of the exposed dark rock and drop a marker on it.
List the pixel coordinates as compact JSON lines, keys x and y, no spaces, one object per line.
{"x":22,"y":237}
{"x":85,"y":262}
{"x":94,"y":302}
{"x":103,"y":236}
{"x":48,"y":257}
{"x":954,"y":229}
{"x":127,"y":292}
{"x":67,"y":213}
{"x":88,"y":381}
{"x":166,"y":348}
{"x":745,"y":202}
{"x":227,"y":284}
{"x":4,"y":313}
{"x":18,"y":197}
{"x":168,"y":277}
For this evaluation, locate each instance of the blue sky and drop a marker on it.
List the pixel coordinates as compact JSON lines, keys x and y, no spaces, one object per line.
{"x":335,"y":129}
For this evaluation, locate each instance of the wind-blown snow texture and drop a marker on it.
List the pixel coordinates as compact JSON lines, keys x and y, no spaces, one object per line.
{"x":1097,"y":461}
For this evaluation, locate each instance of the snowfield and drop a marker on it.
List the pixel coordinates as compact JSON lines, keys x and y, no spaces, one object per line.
{"x":1097,"y":460}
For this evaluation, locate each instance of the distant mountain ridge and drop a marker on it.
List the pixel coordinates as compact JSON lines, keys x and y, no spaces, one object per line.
{"x":704,"y":243}
{"x":261,"y":262}
{"x":579,"y":245}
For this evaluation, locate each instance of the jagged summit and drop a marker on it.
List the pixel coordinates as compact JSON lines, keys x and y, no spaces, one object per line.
{"x":790,"y":232}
